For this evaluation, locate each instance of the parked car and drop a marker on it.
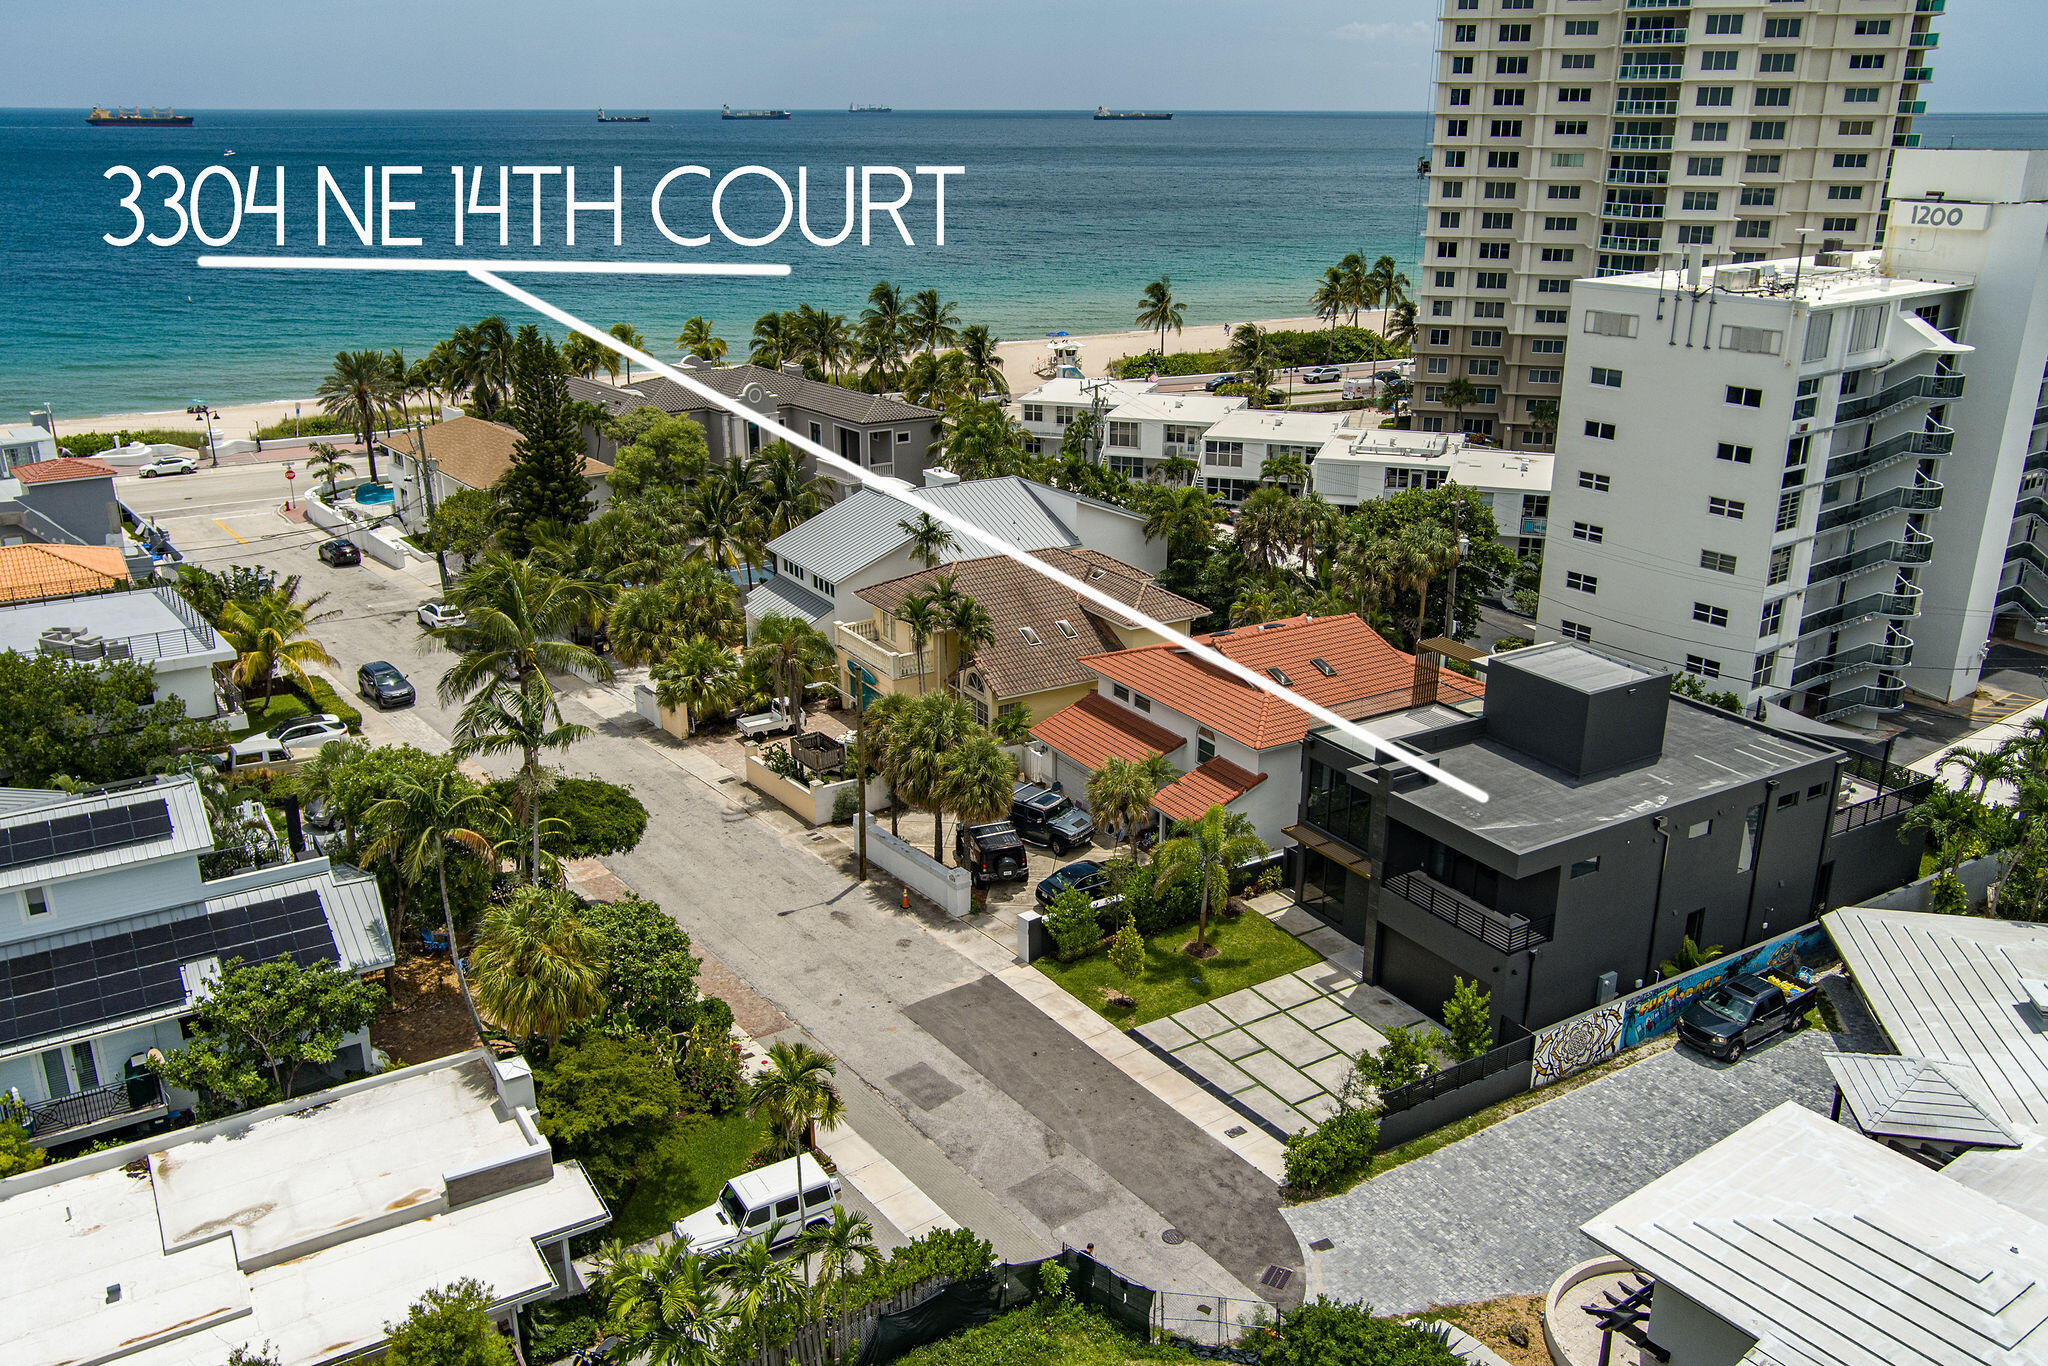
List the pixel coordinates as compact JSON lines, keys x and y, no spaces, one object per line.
{"x":1725,"y":1020}
{"x":990,"y":852}
{"x":1086,"y":875}
{"x":770,"y":722}
{"x":1388,"y":376}
{"x":438,"y":614}
{"x":166,"y":464}
{"x":1218,"y":381}
{"x":340,"y":552}
{"x":1045,"y":816}
{"x":1320,"y":374}
{"x":288,"y":743}
{"x":383,"y":684}
{"x":777,"y":1202}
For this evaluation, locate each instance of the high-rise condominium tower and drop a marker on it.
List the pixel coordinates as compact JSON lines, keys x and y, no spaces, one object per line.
{"x":1609,"y":137}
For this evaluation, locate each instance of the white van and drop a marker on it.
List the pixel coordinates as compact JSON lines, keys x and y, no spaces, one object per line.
{"x":789,"y":1197}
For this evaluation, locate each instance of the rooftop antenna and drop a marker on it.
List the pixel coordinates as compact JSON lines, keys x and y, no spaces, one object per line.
{"x":1799,"y":260}
{"x":1660,"y":286}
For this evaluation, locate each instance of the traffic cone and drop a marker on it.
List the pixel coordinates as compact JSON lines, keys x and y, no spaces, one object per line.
{"x":906,"y":896}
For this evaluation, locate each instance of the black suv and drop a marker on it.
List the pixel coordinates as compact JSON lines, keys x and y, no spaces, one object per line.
{"x":1045,"y":816}
{"x":340,"y":552}
{"x":383,"y":684}
{"x":990,"y":853}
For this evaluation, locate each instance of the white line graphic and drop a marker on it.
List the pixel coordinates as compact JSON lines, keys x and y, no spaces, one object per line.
{"x":452,"y":264}
{"x":486,"y":272}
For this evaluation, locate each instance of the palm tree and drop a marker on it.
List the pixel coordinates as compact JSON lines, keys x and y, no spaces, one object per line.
{"x":882,"y":328}
{"x":1206,"y":850}
{"x":1387,"y":285}
{"x":582,"y":355}
{"x":326,"y":463}
{"x":423,"y":817}
{"x":784,"y":496}
{"x":930,"y":539}
{"x":1982,"y":767}
{"x":1176,"y":469}
{"x":669,"y":1307}
{"x":968,"y":623}
{"x":824,"y":339}
{"x":695,"y":678}
{"x":936,"y":380}
{"x":984,"y":365}
{"x":504,"y":719}
{"x":627,"y":335}
{"x":797,"y":654}
{"x":1158,"y":309}
{"x":774,"y":340}
{"x":919,"y":737}
{"x":1290,"y":472}
{"x":1330,"y":298}
{"x":920,"y":612}
{"x":352,"y":391}
{"x":696,"y":339}
{"x":931,"y":322}
{"x":1120,"y":794}
{"x":719,"y":519}
{"x":1422,"y":555}
{"x":878,"y":722}
{"x":1182,"y":515}
{"x":977,"y":782}
{"x":1401,"y":323}
{"x":796,"y":1091}
{"x":1318,"y":520}
{"x":1458,"y":395}
{"x":849,"y":1238}
{"x":1251,"y":351}
{"x":271,"y":633}
{"x":758,"y":1283}
{"x":516,"y":612}
{"x":479,"y":361}
{"x":539,"y":968}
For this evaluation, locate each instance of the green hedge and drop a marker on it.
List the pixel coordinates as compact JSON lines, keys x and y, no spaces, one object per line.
{"x":312,"y":424}
{"x":1290,"y":348}
{"x":323,"y":697}
{"x":603,"y":818}
{"x":92,"y":443}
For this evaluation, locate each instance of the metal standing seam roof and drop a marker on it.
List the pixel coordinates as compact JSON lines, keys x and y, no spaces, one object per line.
{"x":1894,"y":1097}
{"x":797,"y":391}
{"x":189,"y":833}
{"x":1952,"y":988}
{"x":789,"y":598}
{"x":860,"y":529}
{"x":1831,"y":1250}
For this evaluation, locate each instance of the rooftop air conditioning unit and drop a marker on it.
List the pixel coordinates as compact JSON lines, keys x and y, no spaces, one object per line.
{"x":87,"y":647}
{"x":1739,"y":277}
{"x":119,"y":649}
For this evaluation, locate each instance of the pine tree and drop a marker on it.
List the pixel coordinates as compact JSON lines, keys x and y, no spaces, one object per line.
{"x":546,"y":482}
{"x":1469,"y":1017}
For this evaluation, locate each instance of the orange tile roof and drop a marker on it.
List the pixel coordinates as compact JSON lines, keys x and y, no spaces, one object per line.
{"x":32,"y":571}
{"x":1094,"y":728}
{"x":477,"y":454}
{"x":1215,"y":782}
{"x":1367,"y":677}
{"x":63,"y":467}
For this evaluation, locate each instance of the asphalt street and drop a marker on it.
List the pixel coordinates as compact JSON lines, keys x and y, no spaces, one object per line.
{"x":840,"y":959}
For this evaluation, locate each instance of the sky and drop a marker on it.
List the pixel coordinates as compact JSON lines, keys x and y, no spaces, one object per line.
{"x":815,"y":54}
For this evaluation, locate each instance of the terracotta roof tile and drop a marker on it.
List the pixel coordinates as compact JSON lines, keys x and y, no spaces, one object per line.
{"x":62,"y":468}
{"x":1214,"y":782}
{"x":31,"y":572}
{"x":1094,"y":728}
{"x":1017,"y":600}
{"x":1367,"y":677}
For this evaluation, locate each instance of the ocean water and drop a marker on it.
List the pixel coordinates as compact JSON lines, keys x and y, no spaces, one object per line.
{"x":1057,"y":223}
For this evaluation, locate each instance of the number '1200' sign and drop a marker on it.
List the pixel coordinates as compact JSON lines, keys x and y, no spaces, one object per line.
{"x":1934,"y":213}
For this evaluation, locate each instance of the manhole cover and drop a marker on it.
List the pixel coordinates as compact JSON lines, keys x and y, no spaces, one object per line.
{"x":1173,"y":1237}
{"x":1235,"y":1131}
{"x":1276,"y":1277}
{"x":1321,"y":1245}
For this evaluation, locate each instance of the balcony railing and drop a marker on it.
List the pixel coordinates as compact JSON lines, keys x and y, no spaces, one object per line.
{"x":1900,"y":604}
{"x":1905,"y":139}
{"x":1936,"y":441}
{"x":1652,"y":37}
{"x":1639,"y":142}
{"x":1631,"y":210}
{"x":1918,"y":73}
{"x":1889,"y":695}
{"x":2030,"y":544}
{"x":1923,"y":40}
{"x":1921,"y":497}
{"x":1535,"y":526}
{"x":1930,"y":6}
{"x":1876,"y":655}
{"x":1912,"y":106}
{"x":858,"y":638}
{"x":48,"y":1121}
{"x":1657,"y":109}
{"x":1642,"y":246}
{"x":1918,"y":389}
{"x":1913,"y":548}
{"x":2027,"y":591}
{"x":1496,"y":929}
{"x":1639,"y":177}
{"x":1654,"y":71}
{"x":1883,"y":806}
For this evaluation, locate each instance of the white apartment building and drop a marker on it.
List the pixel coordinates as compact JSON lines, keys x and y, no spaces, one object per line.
{"x":1046,"y":412}
{"x":1818,"y":481}
{"x":1606,"y":137}
{"x":1237,"y":445}
{"x":1356,"y":467}
{"x":1149,"y":427}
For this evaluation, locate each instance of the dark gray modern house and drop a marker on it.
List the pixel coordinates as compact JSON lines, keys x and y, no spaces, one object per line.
{"x":880,"y":434}
{"x":1621,"y":820}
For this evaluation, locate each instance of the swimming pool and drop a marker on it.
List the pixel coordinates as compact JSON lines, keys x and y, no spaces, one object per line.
{"x":373,"y":494}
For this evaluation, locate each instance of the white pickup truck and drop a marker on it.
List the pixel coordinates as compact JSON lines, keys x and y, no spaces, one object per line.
{"x":771,"y":722}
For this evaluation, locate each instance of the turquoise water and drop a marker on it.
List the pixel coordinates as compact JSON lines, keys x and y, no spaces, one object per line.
{"x":1057,"y":223}
{"x":370,"y":495}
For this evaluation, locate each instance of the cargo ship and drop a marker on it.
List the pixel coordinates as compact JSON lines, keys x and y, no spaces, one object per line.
{"x":603,"y":117}
{"x":726,"y":111}
{"x":1104,"y":112}
{"x":869,"y":109}
{"x":137,"y":118}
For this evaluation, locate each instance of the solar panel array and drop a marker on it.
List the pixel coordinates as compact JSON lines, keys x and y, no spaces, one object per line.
{"x":132,"y":971}
{"x":87,"y":832}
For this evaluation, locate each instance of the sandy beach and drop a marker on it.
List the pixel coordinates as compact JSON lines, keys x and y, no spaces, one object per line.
{"x":1021,"y":358}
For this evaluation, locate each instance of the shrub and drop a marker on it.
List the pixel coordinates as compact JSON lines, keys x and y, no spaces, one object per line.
{"x":606,"y":1102}
{"x":1513,"y":642}
{"x":1338,"y":1150}
{"x":602,"y":817}
{"x":556,"y":1328}
{"x":1405,"y":1058}
{"x":1269,"y":880}
{"x":92,"y":443}
{"x":1948,"y":896}
{"x":845,"y":806}
{"x":17,"y":1154}
{"x":449,"y":1326}
{"x":1469,"y":1017}
{"x":312,"y":424}
{"x":710,"y":1073}
{"x":954,"y":1252}
{"x":1526,"y":601}
{"x":1070,"y":919}
{"x":321,"y":696}
{"x":651,"y":975}
{"x":1325,"y":1331}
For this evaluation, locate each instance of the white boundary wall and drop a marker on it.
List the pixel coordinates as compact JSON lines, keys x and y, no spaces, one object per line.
{"x":949,"y":887}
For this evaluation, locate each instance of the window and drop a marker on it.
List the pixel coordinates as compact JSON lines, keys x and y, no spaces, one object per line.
{"x":1559,"y":254}
{"x":1704,"y":166}
{"x":1859,"y":94}
{"x":1581,"y":583}
{"x":1718,"y":562}
{"x":1774,"y":97}
{"x":1728,"y":450}
{"x":1447,"y":219}
{"x":1563,"y":192}
{"x":1205,"y":748}
{"x":1749,"y":229}
{"x":1602,"y":324}
{"x":1817,"y":791}
{"x":1455,"y":157}
{"x":1461,"y":66}
{"x":1856,"y":128}
{"x":1544,"y":377}
{"x":1795,"y":458}
{"x":1779,"y":63}
{"x":1141,"y":702}
{"x":1556,"y":316}
{"x":1496,"y":222}
{"x":1714,"y":96}
{"x":1708,"y":613}
{"x":1773,"y":619}
{"x":1838,"y":224}
{"x":1572,"y":630}
{"x":1120,"y":692}
{"x":1767,"y":130}
{"x":1438,"y":365}
{"x":1457,"y":128}
{"x":1033,"y":412}
{"x":1700,"y":201}
{"x":1782,"y":28}
{"x":1586,"y":866}
{"x":1505,"y":128}
{"x":1440,"y":336}
{"x":1866,"y":61}
{"x":1781,"y":565}
{"x":1577,"y":61}
{"x":1731,"y":508}
{"x":1604,"y":431}
{"x":1461,"y":96}
{"x":1447,"y":251}
{"x":1508,"y":99}
{"x":1709,"y":132}
{"x":1123,"y":434}
{"x":38,"y":902}
{"x":1589,"y":531}
{"x":1873,"y":28}
{"x":1788,"y":799}
{"x":1574,"y":94}
{"x":1465,"y":33}
{"x":1446,"y":279}
{"x":1560,"y":224}
{"x":1491,"y":337}
{"x":1224,"y":453}
{"x":1759,"y":196}
{"x":1442,"y":308}
{"x":1482,"y":308}
{"x":1403,"y":478}
{"x":1500,"y":189}
{"x":1703,"y":667}
{"x":1695,"y":234}
{"x":1515,"y":33}
{"x":1717,"y":61}
{"x":1581,"y":28}
{"x":1845,"y":192}
{"x":1724,"y":23}
{"x":1571,"y":128}
{"x":1606,"y":378}
{"x":1510,"y":66}
{"x":1567,"y":160}
{"x":1765,"y":163}
{"x":1489,"y":279}
{"x":1494,"y":251}
{"x":1757,"y":341}
{"x":1487,"y":369}
{"x":1745,"y":398}
{"x":1597,"y":482}
{"x":1852,"y":161}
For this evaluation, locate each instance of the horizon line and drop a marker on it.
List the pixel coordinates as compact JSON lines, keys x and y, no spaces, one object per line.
{"x":463,"y":265}
{"x":837,"y":109}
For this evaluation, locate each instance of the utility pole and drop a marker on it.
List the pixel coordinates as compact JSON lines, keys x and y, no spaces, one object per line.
{"x":860,"y":767}
{"x":1464,"y":545}
{"x":426,"y":471}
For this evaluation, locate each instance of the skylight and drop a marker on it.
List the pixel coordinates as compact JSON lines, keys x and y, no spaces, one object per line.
{"x":1282,"y":679}
{"x":1323,"y":667}
{"x":1067,"y":629}
{"x":1030,"y":635}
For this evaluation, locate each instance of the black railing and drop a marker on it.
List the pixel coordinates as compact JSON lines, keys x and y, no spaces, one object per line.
{"x":1892,"y":802}
{"x":1917,"y":389}
{"x":90,"y":1107}
{"x":1459,"y":1075}
{"x":1496,"y":929}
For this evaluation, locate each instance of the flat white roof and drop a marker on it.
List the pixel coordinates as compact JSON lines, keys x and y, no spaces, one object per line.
{"x":156,"y":627}
{"x":1082,"y":392}
{"x":1158,"y":407}
{"x":1862,"y":280}
{"x":1833,"y":1250}
{"x":308,"y":1224}
{"x":1984,"y":741}
{"x":1277,"y":426}
{"x":1479,"y":467}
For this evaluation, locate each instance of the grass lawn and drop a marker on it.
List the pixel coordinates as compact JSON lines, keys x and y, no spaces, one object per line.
{"x":286,"y":705}
{"x":1043,"y":1336}
{"x":690,"y":1163}
{"x":1253,"y":949}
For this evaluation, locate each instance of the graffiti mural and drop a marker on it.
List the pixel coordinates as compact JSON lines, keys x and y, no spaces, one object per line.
{"x":1574,"y":1045}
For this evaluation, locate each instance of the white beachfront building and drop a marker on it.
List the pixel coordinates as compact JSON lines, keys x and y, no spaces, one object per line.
{"x":1046,"y":412}
{"x":1237,"y":445}
{"x":1356,"y":466}
{"x":152,"y":626}
{"x":1149,"y":427}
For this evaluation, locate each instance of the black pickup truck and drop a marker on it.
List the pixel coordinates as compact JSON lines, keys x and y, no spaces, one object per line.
{"x":1725,"y":1020}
